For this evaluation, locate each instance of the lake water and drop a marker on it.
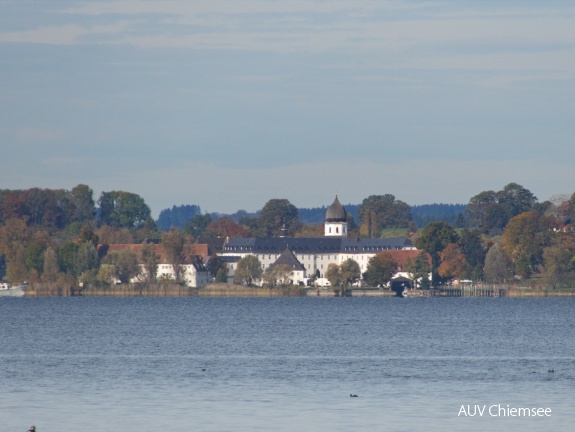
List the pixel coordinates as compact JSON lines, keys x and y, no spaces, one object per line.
{"x":285,"y":364}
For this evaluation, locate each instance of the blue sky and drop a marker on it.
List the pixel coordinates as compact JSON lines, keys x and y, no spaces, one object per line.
{"x":227,"y":104}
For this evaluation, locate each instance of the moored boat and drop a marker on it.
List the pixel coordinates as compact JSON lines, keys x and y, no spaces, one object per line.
{"x":12,"y":291}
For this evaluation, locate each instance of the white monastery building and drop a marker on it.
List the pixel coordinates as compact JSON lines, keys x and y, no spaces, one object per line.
{"x":315,"y":254}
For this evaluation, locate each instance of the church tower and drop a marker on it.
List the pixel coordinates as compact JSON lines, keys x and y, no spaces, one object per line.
{"x":336,"y":220}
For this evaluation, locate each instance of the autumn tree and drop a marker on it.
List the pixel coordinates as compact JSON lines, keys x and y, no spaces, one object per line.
{"x":311,"y":230}
{"x":109,"y":235}
{"x":248,"y":271}
{"x":434,"y":238}
{"x":525,"y":237}
{"x":380,"y":269}
{"x":225,"y":227}
{"x":453,"y":262}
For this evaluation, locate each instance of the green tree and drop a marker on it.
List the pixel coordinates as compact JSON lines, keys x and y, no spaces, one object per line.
{"x":248,"y":271}
{"x":524,"y":238}
{"x":67,"y":257}
{"x":277,"y":275}
{"x":418,"y":269}
{"x":471,"y":244}
{"x":86,"y":258}
{"x":214,"y":265}
{"x":124,"y":265}
{"x":174,"y":244}
{"x":2,"y":266}
{"x":196,"y":226}
{"x":382,"y":211}
{"x":333,"y":275}
{"x":496,"y":265}
{"x":222,"y":275}
{"x":35,"y":258}
{"x":123,"y":209}
{"x":491,"y":211}
{"x":559,"y":262}
{"x":276,"y":214}
{"x":15,"y":236}
{"x":82,"y":204}
{"x":350,"y":272}
{"x":342,"y":276}
{"x":434,"y":238}
{"x":380,"y":269}
{"x":515,"y":199}
{"x":51,"y":267}
{"x":150,"y":261}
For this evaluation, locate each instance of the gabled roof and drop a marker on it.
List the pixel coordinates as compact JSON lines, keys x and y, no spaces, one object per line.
{"x":288,"y":258}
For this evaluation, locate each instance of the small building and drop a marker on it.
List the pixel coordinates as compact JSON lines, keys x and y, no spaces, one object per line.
{"x":195,"y":273}
{"x":298,"y":272}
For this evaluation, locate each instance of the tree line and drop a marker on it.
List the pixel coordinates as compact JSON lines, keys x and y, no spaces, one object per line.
{"x":500,"y":236}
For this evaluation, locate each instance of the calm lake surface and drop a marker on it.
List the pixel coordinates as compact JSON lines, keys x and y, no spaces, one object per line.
{"x":284,"y":364}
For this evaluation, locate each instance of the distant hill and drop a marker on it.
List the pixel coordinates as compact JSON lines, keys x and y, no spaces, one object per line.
{"x":423,"y":214}
{"x":177,"y":216}
{"x":316,"y":215}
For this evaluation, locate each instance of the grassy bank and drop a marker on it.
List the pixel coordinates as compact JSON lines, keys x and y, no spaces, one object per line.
{"x":228,"y":290}
{"x":161,"y":290}
{"x":124,"y":290}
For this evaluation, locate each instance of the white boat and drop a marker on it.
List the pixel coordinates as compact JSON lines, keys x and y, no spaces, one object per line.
{"x":12,"y":291}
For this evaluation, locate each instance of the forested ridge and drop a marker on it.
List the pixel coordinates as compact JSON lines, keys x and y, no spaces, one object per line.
{"x":52,"y":235}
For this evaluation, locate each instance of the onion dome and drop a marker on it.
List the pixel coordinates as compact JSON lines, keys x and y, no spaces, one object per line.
{"x":336,"y":212}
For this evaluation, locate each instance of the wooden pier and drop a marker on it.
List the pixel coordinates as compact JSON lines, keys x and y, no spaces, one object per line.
{"x":471,"y":291}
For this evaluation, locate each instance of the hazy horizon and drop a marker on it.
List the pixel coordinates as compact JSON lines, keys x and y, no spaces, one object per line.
{"x":229,"y":104}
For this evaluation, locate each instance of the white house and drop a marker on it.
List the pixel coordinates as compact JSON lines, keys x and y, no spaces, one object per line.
{"x":195,"y":273}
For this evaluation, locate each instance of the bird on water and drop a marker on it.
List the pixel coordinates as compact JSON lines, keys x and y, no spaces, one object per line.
{"x":352,"y":395}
